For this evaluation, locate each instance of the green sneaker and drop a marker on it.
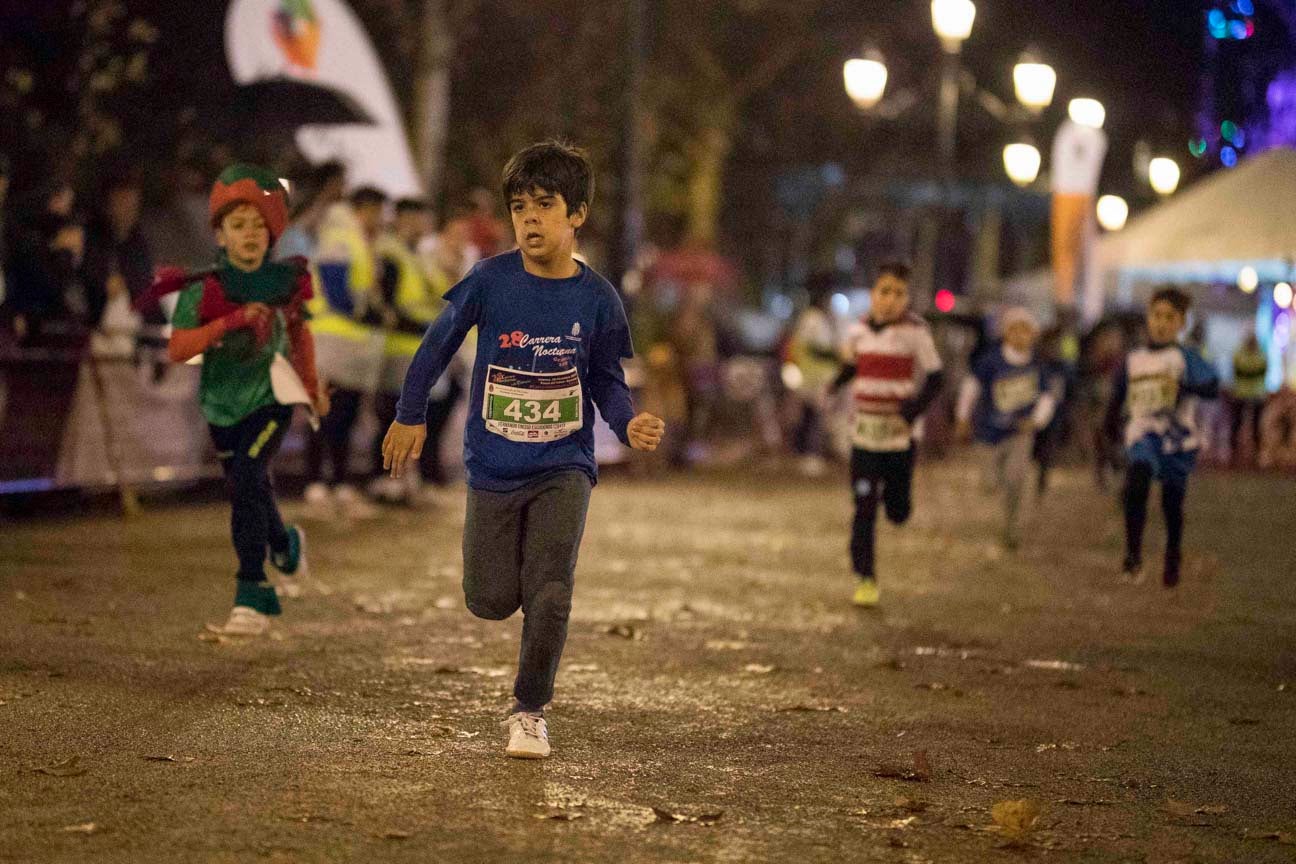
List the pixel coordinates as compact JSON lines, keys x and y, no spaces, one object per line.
{"x":291,"y":564}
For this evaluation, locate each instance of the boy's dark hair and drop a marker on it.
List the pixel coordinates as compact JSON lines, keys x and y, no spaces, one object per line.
{"x":898,"y":269}
{"x":1174,"y":296}
{"x":554,"y":167}
{"x":411,"y":205}
{"x":367,"y":196}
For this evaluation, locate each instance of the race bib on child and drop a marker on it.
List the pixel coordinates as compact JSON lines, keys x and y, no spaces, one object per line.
{"x":1015,"y":393}
{"x":532,"y":407}
{"x":1152,"y":394}
{"x":879,"y":432}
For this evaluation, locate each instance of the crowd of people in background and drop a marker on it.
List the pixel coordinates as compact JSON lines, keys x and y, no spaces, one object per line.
{"x":71,"y":267}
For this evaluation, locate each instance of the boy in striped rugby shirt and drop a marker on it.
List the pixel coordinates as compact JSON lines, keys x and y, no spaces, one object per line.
{"x":894,"y":374}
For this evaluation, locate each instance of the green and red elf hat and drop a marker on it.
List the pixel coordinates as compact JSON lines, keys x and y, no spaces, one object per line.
{"x":241,"y":183}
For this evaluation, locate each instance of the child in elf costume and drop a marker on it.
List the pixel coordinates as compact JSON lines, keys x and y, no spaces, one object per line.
{"x":246,"y":317}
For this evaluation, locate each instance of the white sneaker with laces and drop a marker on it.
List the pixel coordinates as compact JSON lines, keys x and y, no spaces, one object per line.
{"x":528,"y":736}
{"x":352,"y":504}
{"x":243,"y":621}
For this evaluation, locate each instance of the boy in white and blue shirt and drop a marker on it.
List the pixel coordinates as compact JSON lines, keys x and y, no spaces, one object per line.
{"x":1154,"y":409}
{"x":1007,"y":397}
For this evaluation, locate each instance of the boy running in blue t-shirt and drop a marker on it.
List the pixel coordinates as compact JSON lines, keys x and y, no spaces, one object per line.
{"x":1156,"y":394}
{"x":1005,"y":399}
{"x":551,"y":337}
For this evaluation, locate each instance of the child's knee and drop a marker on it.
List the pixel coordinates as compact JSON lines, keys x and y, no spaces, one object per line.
{"x":552,"y":601}
{"x":491,"y":608}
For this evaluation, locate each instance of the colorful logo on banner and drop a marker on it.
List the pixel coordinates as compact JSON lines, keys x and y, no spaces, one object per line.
{"x":297,"y":32}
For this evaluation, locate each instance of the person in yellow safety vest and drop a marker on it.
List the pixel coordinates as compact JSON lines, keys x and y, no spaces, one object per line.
{"x":348,"y":320}
{"x":413,"y":294}
{"x":1250,"y":367}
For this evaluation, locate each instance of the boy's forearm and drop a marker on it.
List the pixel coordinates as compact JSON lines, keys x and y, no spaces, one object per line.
{"x":913,"y":408}
{"x":439,"y":345}
{"x":186,"y":344}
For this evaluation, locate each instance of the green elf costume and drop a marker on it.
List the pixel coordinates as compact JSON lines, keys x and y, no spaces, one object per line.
{"x":255,"y":367}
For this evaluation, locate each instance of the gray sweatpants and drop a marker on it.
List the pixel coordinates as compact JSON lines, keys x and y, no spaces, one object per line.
{"x":519,"y":551}
{"x":1006,"y":466}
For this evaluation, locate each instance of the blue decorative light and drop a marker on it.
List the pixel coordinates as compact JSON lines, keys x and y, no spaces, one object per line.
{"x":1228,"y":156}
{"x":1238,"y":29}
{"x":1245,"y":7}
{"x":1216,"y":18}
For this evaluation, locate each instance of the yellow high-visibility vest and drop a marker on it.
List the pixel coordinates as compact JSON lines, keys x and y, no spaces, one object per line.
{"x":342,"y":240}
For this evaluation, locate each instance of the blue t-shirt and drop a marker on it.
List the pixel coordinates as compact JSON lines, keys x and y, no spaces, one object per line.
{"x":548,"y":352}
{"x":1009,"y":394}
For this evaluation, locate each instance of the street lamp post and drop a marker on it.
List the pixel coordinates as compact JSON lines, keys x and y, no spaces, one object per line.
{"x":952,"y":20}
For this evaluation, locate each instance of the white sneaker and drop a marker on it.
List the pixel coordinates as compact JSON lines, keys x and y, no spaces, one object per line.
{"x":389,"y":490}
{"x":243,"y":621}
{"x":320,"y":505}
{"x":352,"y":504}
{"x":528,"y":736}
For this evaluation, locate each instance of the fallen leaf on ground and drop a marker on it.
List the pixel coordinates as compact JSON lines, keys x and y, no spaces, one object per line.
{"x":819,"y":709}
{"x":758,"y":668}
{"x":1054,"y":665}
{"x":912,"y":805}
{"x":160,"y":758}
{"x":83,"y":828}
{"x":920,"y":773}
{"x":582,"y":667}
{"x":397,"y":835}
{"x":901,"y":824}
{"x":69,"y":767}
{"x":1212,"y":810}
{"x":1244,"y":721}
{"x":1078,"y":802}
{"x":561,"y":815}
{"x":625,"y":631}
{"x":666,"y":816}
{"x":1016,"y":818}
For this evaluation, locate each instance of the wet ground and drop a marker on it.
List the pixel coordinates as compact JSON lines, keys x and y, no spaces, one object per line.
{"x":719,"y":700}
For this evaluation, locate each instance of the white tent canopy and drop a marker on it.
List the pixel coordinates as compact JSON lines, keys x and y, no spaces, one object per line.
{"x":1211,"y":230}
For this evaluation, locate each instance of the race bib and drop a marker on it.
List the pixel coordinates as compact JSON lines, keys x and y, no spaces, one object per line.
{"x":880,"y":431}
{"x":533,"y":407}
{"x":1013,"y":394}
{"x":1154,"y":394}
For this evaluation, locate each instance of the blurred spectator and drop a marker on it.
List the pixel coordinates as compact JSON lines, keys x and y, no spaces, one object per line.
{"x":693,"y":336}
{"x":117,"y":265}
{"x":486,"y":229}
{"x":812,"y":352}
{"x":178,"y":229}
{"x":1249,"y":369}
{"x":43,"y":252}
{"x":1060,"y":376}
{"x":414,"y":303}
{"x":348,"y":322}
{"x":319,"y":191}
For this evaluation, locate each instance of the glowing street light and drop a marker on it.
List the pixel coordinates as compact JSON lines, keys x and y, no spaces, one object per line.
{"x":1163,"y":174}
{"x":1087,"y":112}
{"x":1248,"y":280}
{"x":952,"y":20}
{"x":1113,"y":212}
{"x":1034,"y":82}
{"x":1022,"y":162}
{"x":1283,"y":295}
{"x":866,"y":79}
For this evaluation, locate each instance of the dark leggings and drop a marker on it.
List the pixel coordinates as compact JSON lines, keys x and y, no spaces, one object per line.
{"x":1138,"y":484}
{"x":245,"y":450}
{"x":438,"y":417}
{"x":335,"y":434}
{"x":885,"y":478}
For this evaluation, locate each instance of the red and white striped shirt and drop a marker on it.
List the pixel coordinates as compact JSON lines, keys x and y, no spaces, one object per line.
{"x":891,"y":363}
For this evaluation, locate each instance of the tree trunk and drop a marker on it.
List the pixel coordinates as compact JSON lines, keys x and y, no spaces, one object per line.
{"x":709,"y":155}
{"x":432,"y":95}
